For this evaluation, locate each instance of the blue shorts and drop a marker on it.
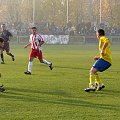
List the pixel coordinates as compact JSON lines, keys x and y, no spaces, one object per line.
{"x":101,"y":65}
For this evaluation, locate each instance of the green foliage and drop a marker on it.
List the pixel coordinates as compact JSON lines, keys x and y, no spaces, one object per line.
{"x":59,"y":94}
{"x":56,"y":11}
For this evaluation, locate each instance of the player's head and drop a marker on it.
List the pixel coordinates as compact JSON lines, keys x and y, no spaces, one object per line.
{"x":34,"y":30}
{"x":100,"y":33}
{"x":1,"y":42}
{"x":3,"y":27}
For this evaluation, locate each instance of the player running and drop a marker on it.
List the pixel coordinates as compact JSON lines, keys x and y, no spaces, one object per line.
{"x":1,"y":47}
{"x":5,"y":34}
{"x":36,"y":41}
{"x":103,"y":62}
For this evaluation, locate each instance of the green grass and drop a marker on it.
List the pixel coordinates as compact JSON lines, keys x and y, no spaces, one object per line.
{"x":59,"y":94}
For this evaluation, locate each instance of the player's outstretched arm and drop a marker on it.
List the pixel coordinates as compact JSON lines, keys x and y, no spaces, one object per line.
{"x":27,"y":45}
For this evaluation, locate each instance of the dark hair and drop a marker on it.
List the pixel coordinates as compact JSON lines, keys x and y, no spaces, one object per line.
{"x":1,"y":40}
{"x":101,"y":32}
{"x":34,"y":28}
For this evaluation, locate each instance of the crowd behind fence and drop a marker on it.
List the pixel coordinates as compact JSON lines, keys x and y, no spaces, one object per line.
{"x":45,"y":28}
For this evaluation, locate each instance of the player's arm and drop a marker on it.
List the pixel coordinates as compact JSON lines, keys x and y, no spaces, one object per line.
{"x":96,"y":57}
{"x":10,"y":38}
{"x":41,"y":42}
{"x":103,"y":49}
{"x":10,"y":35}
{"x":27,"y":45}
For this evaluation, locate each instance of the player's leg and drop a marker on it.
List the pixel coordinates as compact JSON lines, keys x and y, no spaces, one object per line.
{"x":101,"y":65}
{"x":1,"y":86}
{"x":12,"y":56}
{"x":91,"y":87}
{"x":98,"y":83}
{"x":29,"y":66}
{"x":93,"y":72}
{"x":32,"y":55}
{"x":7,"y":48}
{"x":2,"y":57}
{"x":1,"y":54}
{"x":45,"y":62}
{"x":40,"y":57}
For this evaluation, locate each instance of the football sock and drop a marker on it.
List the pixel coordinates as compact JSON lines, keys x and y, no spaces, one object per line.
{"x":98,"y":80}
{"x":2,"y":57}
{"x":92,"y":80}
{"x":30,"y":66}
{"x":46,"y":62}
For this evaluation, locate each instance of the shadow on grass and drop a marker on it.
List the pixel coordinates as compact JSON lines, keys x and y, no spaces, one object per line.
{"x":110,"y":92}
{"x":31,"y":96}
{"x":31,"y":91}
{"x":79,"y":68}
{"x":66,"y":67}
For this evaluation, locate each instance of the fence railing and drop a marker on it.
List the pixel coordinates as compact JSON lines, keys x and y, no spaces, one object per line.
{"x":65,"y":39}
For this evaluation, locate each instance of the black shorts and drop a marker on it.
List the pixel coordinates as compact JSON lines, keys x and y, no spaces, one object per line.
{"x":6,"y":46}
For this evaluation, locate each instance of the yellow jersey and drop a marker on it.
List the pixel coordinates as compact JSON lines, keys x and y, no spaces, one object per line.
{"x":108,"y":56}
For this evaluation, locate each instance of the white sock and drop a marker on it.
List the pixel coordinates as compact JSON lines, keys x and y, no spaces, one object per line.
{"x":30,"y":66}
{"x":46,"y":62}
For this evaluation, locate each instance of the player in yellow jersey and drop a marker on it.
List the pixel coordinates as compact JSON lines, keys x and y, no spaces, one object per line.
{"x":103,"y":62}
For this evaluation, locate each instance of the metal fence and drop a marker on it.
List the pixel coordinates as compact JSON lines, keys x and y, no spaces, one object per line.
{"x":65,"y":39}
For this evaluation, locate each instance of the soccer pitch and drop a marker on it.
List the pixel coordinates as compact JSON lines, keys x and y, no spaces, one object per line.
{"x":59,"y":94}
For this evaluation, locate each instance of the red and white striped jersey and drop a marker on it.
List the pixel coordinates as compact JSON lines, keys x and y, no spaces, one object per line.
{"x":35,"y":41}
